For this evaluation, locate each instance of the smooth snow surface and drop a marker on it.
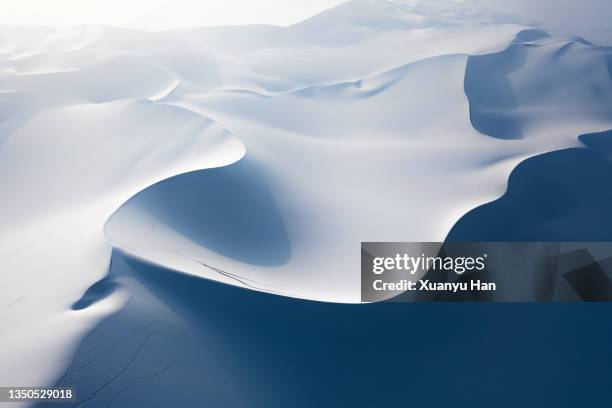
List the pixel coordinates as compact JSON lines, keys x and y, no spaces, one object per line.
{"x":262,"y":156}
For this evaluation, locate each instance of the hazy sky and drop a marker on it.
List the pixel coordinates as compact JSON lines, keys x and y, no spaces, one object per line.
{"x":158,"y":14}
{"x":589,"y":18}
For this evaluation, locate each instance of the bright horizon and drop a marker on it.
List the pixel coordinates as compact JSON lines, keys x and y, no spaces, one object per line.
{"x":586,"y":18}
{"x":158,"y":14}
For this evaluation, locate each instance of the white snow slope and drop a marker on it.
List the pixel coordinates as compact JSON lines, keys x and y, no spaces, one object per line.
{"x":373,"y":121}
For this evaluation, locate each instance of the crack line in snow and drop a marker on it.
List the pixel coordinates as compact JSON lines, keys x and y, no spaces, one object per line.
{"x":149,"y":378}
{"x":121,"y":373}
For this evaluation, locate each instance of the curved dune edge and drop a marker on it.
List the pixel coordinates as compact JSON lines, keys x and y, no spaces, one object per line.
{"x":63,"y":240}
{"x":307,"y":268}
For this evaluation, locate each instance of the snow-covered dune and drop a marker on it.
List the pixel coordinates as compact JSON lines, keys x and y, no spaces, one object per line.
{"x":261,"y":156}
{"x":371,"y":159}
{"x":65,"y":171}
